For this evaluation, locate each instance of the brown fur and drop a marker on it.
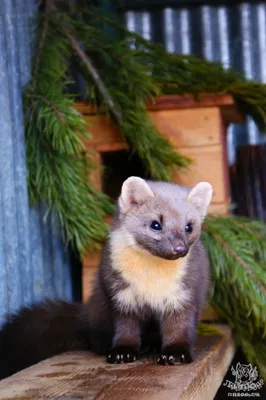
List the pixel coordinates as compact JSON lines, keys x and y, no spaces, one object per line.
{"x":146,"y":293}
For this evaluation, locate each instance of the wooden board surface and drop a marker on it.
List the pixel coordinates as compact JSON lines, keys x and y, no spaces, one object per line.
{"x":189,"y":128}
{"x":185,"y":128}
{"x":106,"y":136}
{"x":208,"y":165}
{"x":90,"y":264}
{"x":167,"y":102}
{"x":81,"y":375}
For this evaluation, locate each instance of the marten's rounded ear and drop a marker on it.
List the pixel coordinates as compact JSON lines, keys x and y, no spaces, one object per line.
{"x":135,"y":191}
{"x":200,"y":196}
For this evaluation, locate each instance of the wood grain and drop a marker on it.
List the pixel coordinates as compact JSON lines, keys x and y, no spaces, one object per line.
{"x":224,"y":102}
{"x":81,"y":375}
{"x":95,"y":173}
{"x":103,"y":131}
{"x":185,"y":128}
{"x":189,"y":128}
{"x":220,"y":208}
{"x":207,"y":166}
{"x":89,"y":267}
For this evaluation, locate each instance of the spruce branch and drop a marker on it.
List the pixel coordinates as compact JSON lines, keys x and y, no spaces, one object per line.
{"x":95,"y":75}
{"x":58,"y":166}
{"x":48,"y":9}
{"x":237,"y":255}
{"x":226,"y":246}
{"x":50,"y":104}
{"x":240,"y":225}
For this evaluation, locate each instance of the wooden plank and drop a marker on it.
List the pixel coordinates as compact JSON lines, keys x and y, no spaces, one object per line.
{"x":220,"y":208}
{"x":185,"y":128}
{"x":85,"y":108}
{"x":95,"y":173}
{"x":81,"y":375}
{"x":103,"y":131}
{"x":110,"y":146}
{"x":167,"y":102}
{"x":208,"y":165}
{"x":189,"y":128}
{"x":90,"y":264}
{"x":224,"y":102}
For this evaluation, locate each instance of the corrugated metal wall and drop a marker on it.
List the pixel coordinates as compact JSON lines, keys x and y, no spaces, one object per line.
{"x":234,"y":35}
{"x":33,"y":262}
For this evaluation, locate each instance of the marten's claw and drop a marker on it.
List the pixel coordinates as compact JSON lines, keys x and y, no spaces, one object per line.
{"x":176,"y":356}
{"x":119,"y":355}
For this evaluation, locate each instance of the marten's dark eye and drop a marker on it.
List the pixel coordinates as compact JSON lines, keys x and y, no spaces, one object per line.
{"x":155,"y":225}
{"x":188,"y":228}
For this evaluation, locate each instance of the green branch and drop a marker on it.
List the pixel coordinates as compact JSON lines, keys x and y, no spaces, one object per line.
{"x":237,"y":248}
{"x":95,"y":75}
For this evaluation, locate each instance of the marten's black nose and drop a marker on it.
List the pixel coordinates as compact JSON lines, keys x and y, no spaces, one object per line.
{"x":180,"y":249}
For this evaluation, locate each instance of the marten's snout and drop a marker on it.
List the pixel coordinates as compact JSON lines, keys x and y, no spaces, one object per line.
{"x":180,"y":249}
{"x":178,"y":244}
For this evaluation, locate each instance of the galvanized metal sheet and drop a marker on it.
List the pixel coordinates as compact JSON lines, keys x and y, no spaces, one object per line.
{"x":33,"y":262}
{"x":234,"y":35}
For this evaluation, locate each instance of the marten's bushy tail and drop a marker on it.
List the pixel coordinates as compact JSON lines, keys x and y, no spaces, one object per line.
{"x":41,"y":331}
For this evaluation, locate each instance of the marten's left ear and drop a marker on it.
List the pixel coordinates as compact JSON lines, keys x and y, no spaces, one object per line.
{"x":200,"y":196}
{"x":135,"y":191}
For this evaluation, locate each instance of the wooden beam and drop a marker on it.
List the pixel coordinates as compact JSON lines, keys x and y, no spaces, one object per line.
{"x":81,"y":375}
{"x":226,"y":104}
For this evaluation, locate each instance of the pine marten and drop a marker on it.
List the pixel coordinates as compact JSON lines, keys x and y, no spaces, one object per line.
{"x":148,"y":292}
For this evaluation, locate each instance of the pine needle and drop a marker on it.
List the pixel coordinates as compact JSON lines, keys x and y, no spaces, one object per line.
{"x":237,"y":250}
{"x":58,"y":165}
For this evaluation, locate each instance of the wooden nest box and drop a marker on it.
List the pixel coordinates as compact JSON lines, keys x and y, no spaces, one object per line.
{"x":196,"y":128}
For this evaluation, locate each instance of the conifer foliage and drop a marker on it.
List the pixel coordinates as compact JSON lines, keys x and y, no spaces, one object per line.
{"x":121,"y":74}
{"x":237,"y":250}
{"x":58,"y":165}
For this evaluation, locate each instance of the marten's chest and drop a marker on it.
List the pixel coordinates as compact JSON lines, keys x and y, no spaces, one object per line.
{"x":150,"y":281}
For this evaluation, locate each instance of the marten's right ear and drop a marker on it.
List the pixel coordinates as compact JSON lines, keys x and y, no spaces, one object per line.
{"x":135,"y":191}
{"x":200,"y":196}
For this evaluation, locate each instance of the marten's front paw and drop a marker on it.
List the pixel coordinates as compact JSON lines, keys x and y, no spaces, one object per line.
{"x":122,"y":354}
{"x":175,"y":355}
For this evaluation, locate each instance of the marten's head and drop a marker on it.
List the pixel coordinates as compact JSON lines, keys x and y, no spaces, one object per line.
{"x":161,"y":218}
